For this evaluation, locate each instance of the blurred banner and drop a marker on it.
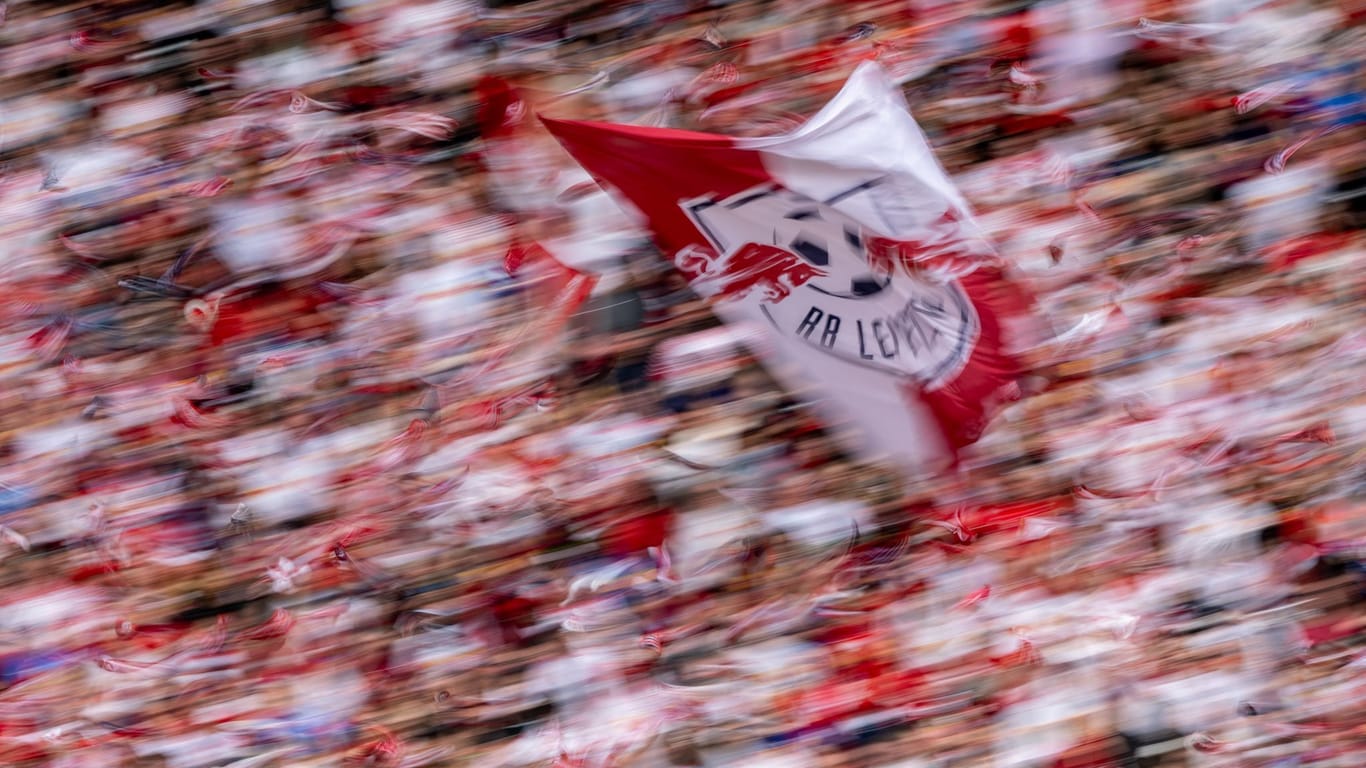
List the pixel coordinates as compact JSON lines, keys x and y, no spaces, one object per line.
{"x":552,"y":293}
{"x":889,"y":309}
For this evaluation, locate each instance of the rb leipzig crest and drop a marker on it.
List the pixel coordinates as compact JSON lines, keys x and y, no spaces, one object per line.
{"x":822,"y":278}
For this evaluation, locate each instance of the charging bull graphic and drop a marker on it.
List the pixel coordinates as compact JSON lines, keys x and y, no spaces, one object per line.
{"x":816,"y":274}
{"x":771,"y":271}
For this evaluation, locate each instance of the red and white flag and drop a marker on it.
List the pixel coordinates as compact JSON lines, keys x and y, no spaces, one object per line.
{"x":847,"y":239}
{"x":516,"y":365}
{"x":554,"y":291}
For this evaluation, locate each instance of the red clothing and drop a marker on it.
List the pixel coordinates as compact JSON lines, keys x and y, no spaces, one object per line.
{"x":1008,"y":517}
{"x":853,"y":631}
{"x":150,"y":637}
{"x":898,"y":687}
{"x":367,"y":96}
{"x":635,"y":535}
{"x":1325,"y":631}
{"x":514,"y":613}
{"x":260,"y":313}
{"x":502,"y":111}
{"x":1100,"y":753}
{"x":1286,"y":255}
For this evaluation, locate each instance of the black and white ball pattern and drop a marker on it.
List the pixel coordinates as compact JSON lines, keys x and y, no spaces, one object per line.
{"x":814,"y":236}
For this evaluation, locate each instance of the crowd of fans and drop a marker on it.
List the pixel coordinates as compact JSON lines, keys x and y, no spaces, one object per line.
{"x":345,"y":422}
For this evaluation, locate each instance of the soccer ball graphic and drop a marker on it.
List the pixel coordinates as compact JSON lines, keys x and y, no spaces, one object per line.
{"x":813,"y":234}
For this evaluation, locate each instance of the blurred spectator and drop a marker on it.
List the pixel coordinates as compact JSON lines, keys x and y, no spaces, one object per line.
{"x":300,"y":468}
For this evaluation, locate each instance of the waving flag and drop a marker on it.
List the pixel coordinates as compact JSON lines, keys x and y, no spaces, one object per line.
{"x":845,"y":238}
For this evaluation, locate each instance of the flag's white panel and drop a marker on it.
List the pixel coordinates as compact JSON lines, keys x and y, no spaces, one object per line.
{"x":876,"y":419}
{"x":866,"y":131}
